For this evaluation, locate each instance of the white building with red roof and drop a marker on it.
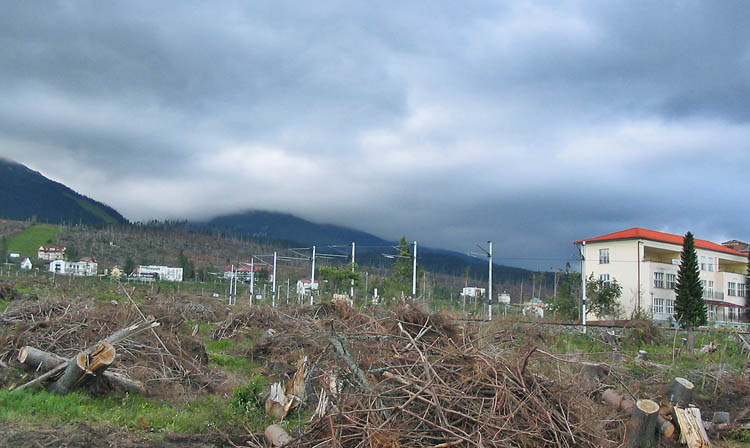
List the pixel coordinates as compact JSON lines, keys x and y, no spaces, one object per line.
{"x":50,"y":253}
{"x":645,"y":263}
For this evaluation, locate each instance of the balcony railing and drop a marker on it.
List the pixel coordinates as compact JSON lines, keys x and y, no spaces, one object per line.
{"x":713,"y":295}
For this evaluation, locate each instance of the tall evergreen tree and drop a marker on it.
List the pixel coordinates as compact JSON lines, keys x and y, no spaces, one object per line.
{"x":689,"y":306}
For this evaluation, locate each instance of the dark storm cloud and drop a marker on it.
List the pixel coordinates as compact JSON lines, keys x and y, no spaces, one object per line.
{"x":529,"y":123}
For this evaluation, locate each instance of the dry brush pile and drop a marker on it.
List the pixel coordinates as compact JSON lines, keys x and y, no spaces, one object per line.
{"x":408,"y":378}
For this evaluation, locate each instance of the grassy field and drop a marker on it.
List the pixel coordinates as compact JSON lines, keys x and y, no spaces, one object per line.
{"x":27,"y":242}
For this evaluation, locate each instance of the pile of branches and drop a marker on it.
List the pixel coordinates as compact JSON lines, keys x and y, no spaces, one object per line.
{"x":416,"y":380}
{"x":166,"y":362}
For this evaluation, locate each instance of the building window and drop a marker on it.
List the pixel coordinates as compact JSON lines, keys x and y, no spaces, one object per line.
{"x":671,"y":281}
{"x":658,"y":279}
{"x":710,"y":264}
{"x":658,"y":305}
{"x":669,"y":305}
{"x":703,"y":263}
{"x":604,"y":278}
{"x":741,"y":290}
{"x":731,"y":289}
{"x":603,"y":256}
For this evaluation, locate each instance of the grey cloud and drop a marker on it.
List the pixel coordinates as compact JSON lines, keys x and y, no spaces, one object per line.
{"x":531,"y":123}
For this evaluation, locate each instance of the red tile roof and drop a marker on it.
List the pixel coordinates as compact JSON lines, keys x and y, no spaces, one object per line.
{"x":639,"y":233}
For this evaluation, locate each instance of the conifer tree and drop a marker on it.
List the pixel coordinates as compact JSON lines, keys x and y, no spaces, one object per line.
{"x":401,"y":269}
{"x":689,"y":306}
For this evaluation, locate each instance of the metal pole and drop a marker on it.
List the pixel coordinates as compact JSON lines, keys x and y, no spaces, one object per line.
{"x":583,"y":279}
{"x":273,"y":301}
{"x":287,"y":291}
{"x":414,"y":273}
{"x":489,"y":296}
{"x":352,"y":288}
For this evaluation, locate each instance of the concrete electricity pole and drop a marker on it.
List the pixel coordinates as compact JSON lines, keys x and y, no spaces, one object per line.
{"x":414,"y":273}
{"x":273,"y":302}
{"x":312,"y":276}
{"x":352,"y":288}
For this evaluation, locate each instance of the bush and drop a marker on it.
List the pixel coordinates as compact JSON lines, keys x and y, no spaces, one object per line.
{"x":248,"y":399}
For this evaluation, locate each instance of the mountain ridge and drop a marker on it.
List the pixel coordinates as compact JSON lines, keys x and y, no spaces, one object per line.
{"x":28,"y":194}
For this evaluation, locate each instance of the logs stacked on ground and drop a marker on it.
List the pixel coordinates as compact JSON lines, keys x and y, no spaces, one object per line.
{"x":38,"y":360}
{"x":617,"y":401}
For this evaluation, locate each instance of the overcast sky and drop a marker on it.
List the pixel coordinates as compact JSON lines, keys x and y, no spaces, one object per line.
{"x":527,"y":123}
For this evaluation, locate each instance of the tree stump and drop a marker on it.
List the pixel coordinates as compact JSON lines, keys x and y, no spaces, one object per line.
{"x":720,"y":417}
{"x":681,"y":391}
{"x":691,"y":344}
{"x":595,"y":371}
{"x":620,"y":403}
{"x":644,"y":420}
{"x":643,"y":355}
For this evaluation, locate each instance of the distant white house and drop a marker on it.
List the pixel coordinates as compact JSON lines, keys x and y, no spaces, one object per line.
{"x":158,"y":273}
{"x":306,"y":286}
{"x":26,"y":264}
{"x":14,"y":255}
{"x":85,"y":267}
{"x":244,"y":272}
{"x":473,"y":291}
{"x":51,"y":253}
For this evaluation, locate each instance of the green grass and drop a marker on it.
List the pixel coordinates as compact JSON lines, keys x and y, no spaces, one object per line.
{"x":244,"y":409}
{"x":96,"y":211}
{"x":27,"y":242}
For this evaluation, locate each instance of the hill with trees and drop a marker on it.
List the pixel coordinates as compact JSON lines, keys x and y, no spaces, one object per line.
{"x":28,"y":195}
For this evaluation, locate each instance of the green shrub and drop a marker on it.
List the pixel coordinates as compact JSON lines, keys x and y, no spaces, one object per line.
{"x":248,"y":399}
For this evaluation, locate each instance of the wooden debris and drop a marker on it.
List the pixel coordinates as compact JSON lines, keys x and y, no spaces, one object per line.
{"x":681,"y":391}
{"x":84,"y":368}
{"x":295,"y":388}
{"x":641,"y":432}
{"x":709,"y":348}
{"x":692,"y":431}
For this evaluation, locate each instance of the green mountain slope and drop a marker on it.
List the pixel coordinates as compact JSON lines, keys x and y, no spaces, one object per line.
{"x":26,"y":194}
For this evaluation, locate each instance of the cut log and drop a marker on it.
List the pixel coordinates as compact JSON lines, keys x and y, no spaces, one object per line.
{"x":276,"y":436}
{"x":644,"y":419}
{"x":692,"y":432}
{"x":84,"y":368}
{"x":681,"y":392}
{"x":38,"y":360}
{"x":112,"y":339}
{"x":620,"y":403}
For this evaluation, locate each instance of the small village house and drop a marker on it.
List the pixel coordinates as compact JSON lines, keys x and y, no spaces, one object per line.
{"x":306,"y":286}
{"x":164,"y":273}
{"x":26,"y":264}
{"x":85,"y":267}
{"x":50,"y":253}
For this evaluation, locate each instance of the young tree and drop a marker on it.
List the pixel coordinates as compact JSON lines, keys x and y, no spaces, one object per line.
{"x":567,"y":302}
{"x":188,"y":268}
{"x":690,"y":308}
{"x":339,"y":278}
{"x":129,"y":266}
{"x":603,"y":297}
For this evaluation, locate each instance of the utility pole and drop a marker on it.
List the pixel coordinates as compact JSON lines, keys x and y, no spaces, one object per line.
{"x":273,"y":301}
{"x":352,"y":288}
{"x":414,"y":273}
{"x":583,"y":288}
{"x":489,"y":289}
{"x":312,"y":276}
{"x":252,"y":280}
{"x":287,"y":291}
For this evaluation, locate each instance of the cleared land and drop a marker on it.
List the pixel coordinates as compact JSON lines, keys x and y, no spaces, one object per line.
{"x":412,"y":378}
